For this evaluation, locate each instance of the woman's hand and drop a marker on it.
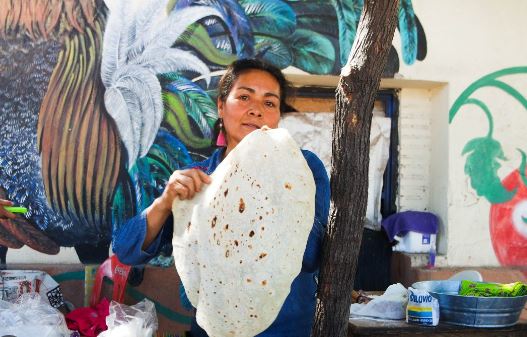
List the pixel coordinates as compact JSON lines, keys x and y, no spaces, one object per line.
{"x":183,"y":184}
{"x":4,"y":214}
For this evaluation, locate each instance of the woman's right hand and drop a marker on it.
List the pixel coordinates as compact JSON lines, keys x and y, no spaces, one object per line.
{"x":183,"y":184}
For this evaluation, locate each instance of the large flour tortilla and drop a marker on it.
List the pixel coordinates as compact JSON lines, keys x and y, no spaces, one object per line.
{"x":239,"y":243}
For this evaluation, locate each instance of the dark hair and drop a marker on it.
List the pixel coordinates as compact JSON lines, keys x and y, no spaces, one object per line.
{"x":238,"y":67}
{"x":241,"y":66}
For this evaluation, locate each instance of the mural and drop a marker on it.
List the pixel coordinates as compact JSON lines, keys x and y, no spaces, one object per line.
{"x":101,"y":101}
{"x":508,"y":212}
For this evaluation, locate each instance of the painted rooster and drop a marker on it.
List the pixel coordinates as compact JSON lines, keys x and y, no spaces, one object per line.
{"x":69,"y":137}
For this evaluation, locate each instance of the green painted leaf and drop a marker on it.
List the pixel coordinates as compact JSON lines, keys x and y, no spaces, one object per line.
{"x":348,"y":14}
{"x":197,"y":37}
{"x":482,"y":167}
{"x":312,"y":52}
{"x":270,"y":17}
{"x":177,"y":120}
{"x":319,"y":25}
{"x":408,"y":31}
{"x":312,"y":8}
{"x":523,"y":164}
{"x":198,"y":105}
{"x":166,"y":155}
{"x":273,"y":51}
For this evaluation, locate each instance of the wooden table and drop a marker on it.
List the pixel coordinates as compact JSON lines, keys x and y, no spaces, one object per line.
{"x":370,"y":328}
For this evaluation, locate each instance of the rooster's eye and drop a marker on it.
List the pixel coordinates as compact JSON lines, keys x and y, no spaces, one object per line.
{"x":519,"y":218}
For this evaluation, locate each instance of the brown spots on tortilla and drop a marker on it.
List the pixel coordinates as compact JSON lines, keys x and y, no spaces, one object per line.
{"x":262,"y":255}
{"x":261,"y":217}
{"x":241,"y":208}
{"x":266,"y":198}
{"x":188,"y":226}
{"x":213,"y":222}
{"x":288,"y":186}
{"x":251,"y":234}
{"x":264,"y":282}
{"x":227,"y":253}
{"x":226,"y":227}
{"x":241,"y":261}
{"x":226,"y":192}
{"x":249,"y":280}
{"x":218,"y":242}
{"x":236,"y":243}
{"x":262,"y":228}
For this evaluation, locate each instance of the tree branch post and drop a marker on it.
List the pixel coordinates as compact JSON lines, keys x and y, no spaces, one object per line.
{"x":355,"y":96}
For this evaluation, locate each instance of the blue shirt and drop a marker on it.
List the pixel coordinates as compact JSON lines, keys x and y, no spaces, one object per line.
{"x":296,"y":315}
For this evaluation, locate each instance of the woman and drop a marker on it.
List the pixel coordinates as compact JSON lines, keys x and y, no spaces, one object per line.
{"x":251,"y":94}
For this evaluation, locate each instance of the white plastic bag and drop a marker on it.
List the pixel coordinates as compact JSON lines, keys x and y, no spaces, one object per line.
{"x":390,"y":305}
{"x":138,"y":320}
{"x":31,"y":316}
{"x":14,"y":283}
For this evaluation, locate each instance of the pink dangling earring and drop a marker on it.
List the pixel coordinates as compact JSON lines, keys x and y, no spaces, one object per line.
{"x":220,"y":141}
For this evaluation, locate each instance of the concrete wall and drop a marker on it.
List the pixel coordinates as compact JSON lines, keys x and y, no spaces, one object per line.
{"x":466,"y":41}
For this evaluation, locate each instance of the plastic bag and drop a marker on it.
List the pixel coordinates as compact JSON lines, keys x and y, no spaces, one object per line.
{"x":31,"y":316}
{"x":138,"y":320}
{"x":14,"y":283}
{"x":390,"y":305}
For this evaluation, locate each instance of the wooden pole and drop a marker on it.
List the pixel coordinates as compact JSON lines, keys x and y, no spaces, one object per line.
{"x":355,"y":96}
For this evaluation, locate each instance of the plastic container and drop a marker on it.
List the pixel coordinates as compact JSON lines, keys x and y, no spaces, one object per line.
{"x":413,"y":242}
{"x":482,"y":312}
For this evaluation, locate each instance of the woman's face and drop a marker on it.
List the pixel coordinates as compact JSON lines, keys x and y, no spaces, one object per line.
{"x":254,"y":101}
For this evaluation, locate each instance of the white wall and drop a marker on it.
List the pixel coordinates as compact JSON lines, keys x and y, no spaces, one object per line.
{"x":466,"y":40}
